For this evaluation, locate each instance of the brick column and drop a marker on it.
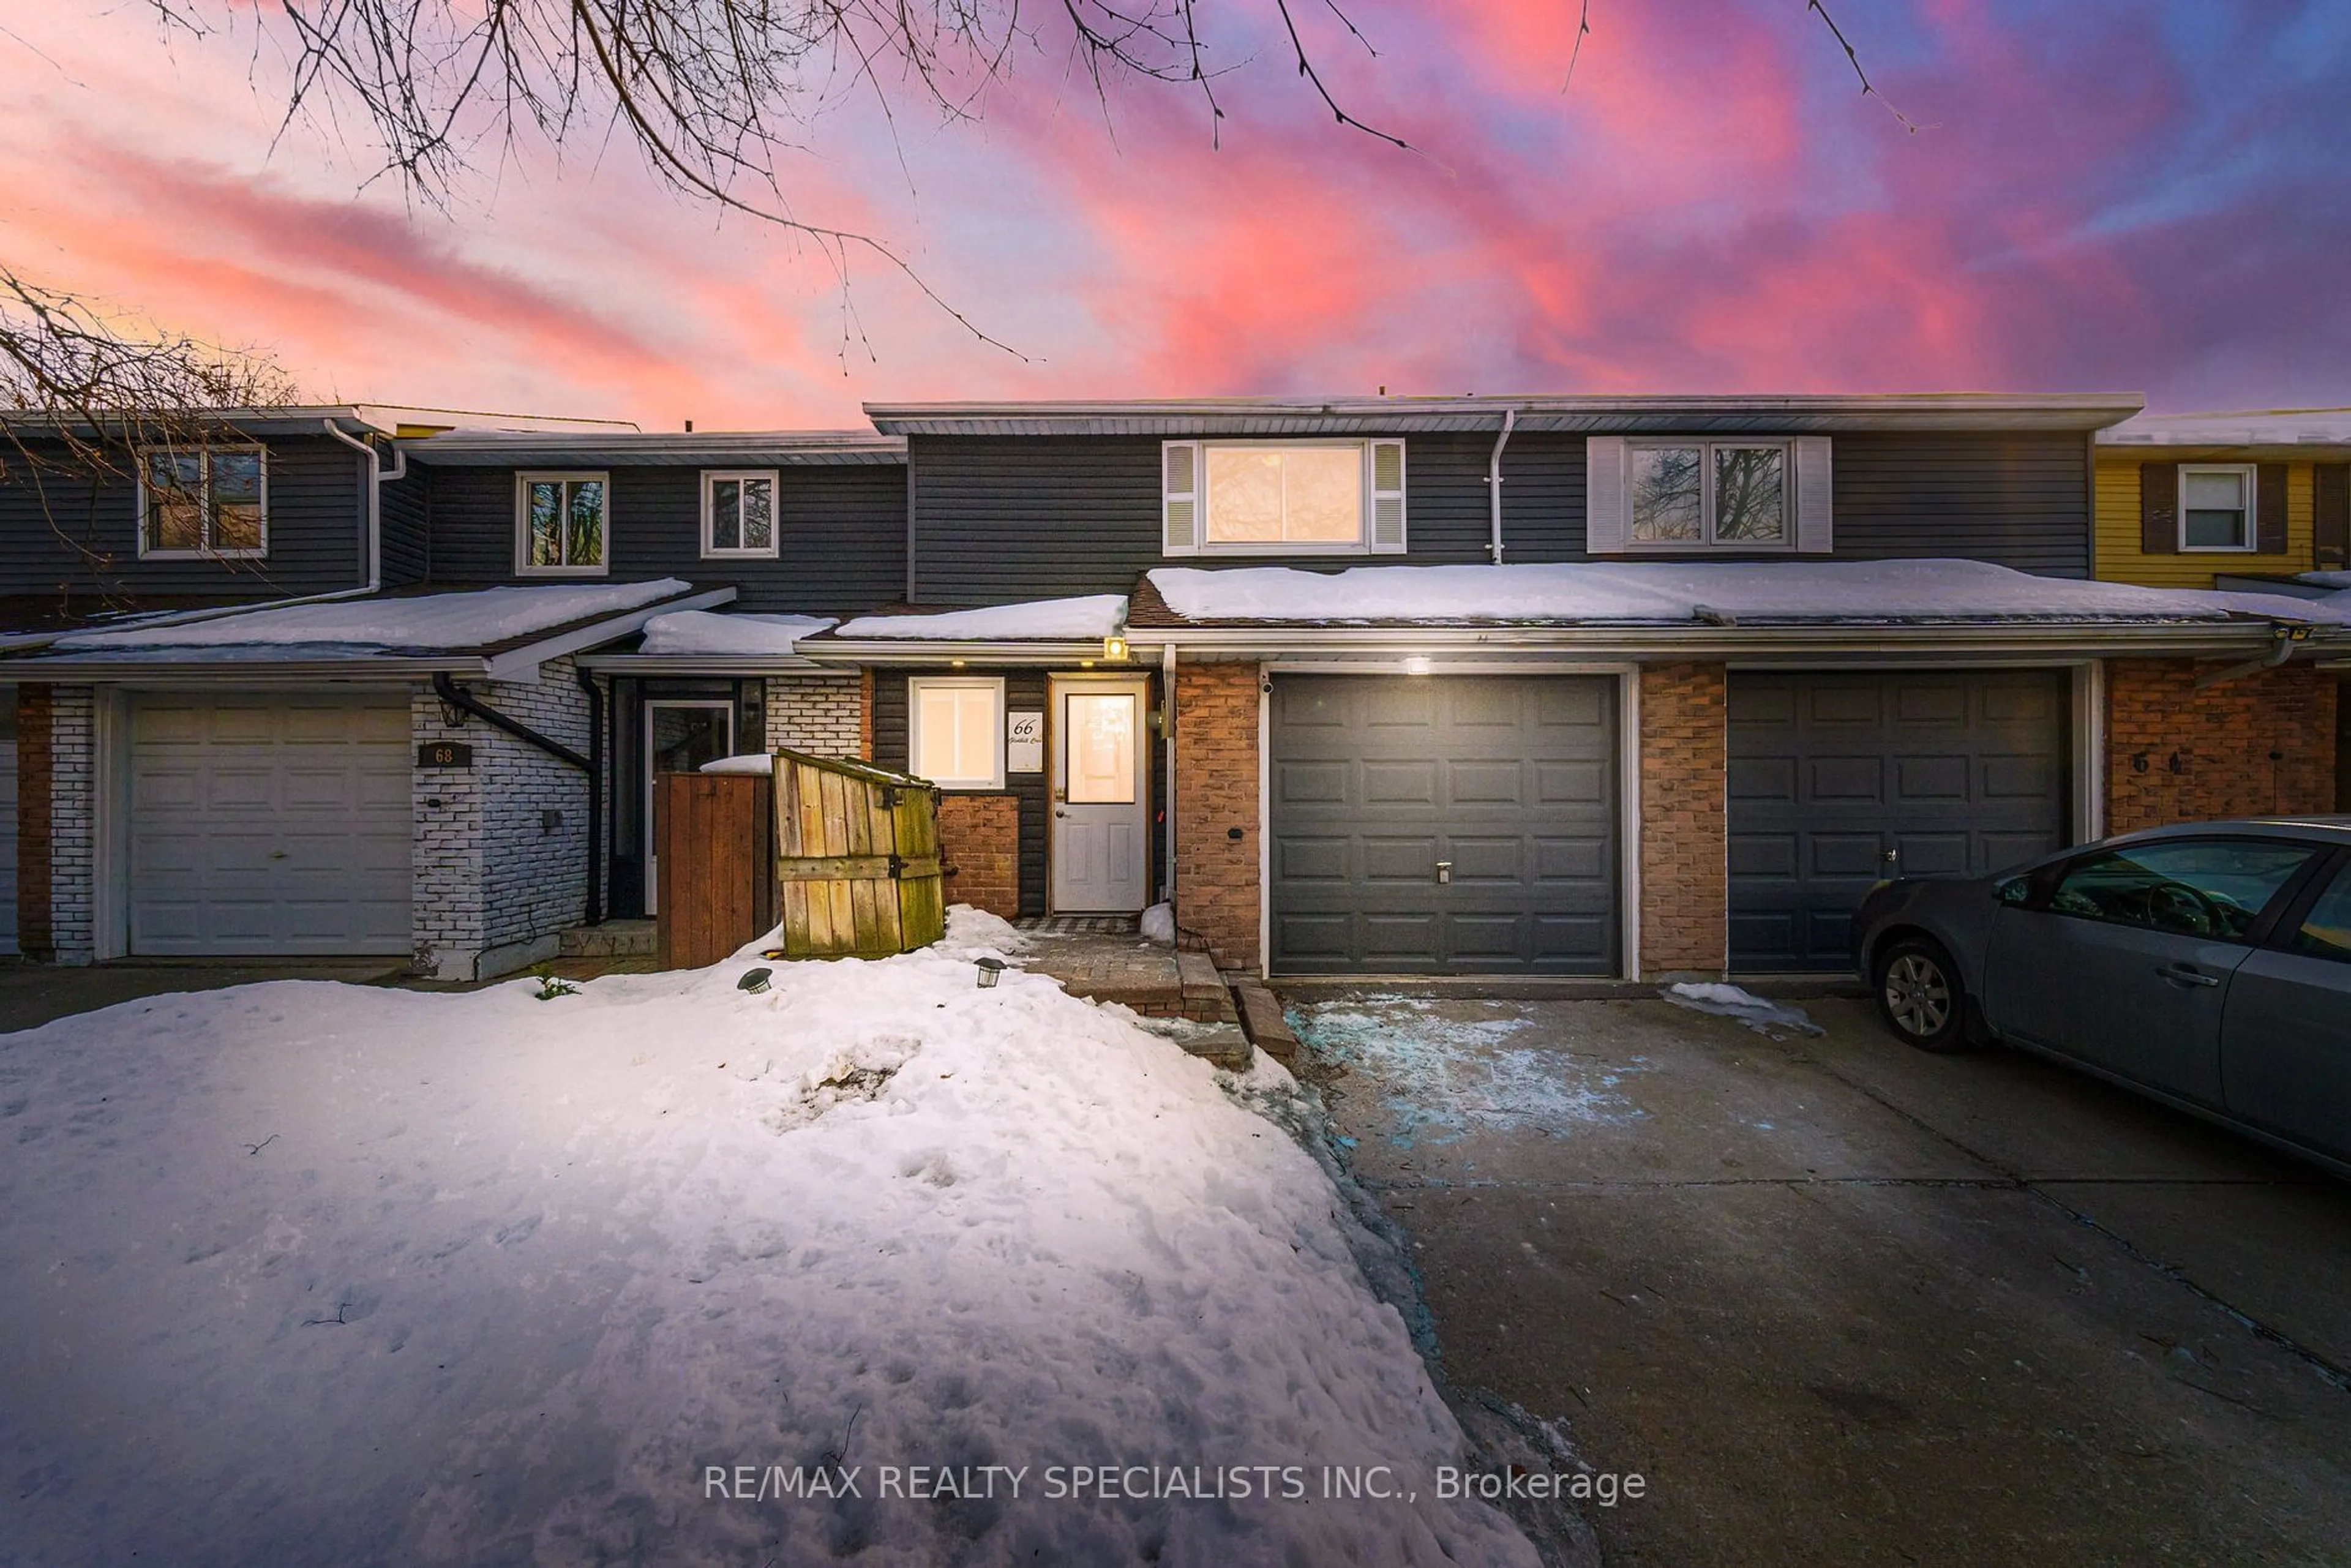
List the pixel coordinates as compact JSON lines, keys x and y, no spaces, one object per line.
{"x":73,"y":824}
{"x":33,"y":710}
{"x":980,"y":836}
{"x":2257,"y":746}
{"x":1683,"y":847}
{"x":1216,"y":830}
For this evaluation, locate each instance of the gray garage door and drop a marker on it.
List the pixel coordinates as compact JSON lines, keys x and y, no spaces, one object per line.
{"x":1377,"y":780}
{"x":269,"y":825}
{"x":1837,"y":780}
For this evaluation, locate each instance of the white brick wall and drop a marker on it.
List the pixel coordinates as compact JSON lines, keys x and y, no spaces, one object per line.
{"x":822,"y":715}
{"x":501,"y":849}
{"x":73,"y":824}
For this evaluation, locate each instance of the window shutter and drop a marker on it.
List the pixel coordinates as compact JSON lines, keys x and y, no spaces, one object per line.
{"x":2331,"y":515}
{"x":2269,"y":508}
{"x":1179,"y":496}
{"x":2158,"y":509}
{"x":1387,"y":497}
{"x":1816,"y":515}
{"x":1603,"y":495}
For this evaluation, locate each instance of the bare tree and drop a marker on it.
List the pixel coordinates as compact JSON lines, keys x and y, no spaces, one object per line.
{"x":92,"y":400}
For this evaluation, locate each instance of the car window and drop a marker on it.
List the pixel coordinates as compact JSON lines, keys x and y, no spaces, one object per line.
{"x":2206,"y":887}
{"x":2327,"y":932}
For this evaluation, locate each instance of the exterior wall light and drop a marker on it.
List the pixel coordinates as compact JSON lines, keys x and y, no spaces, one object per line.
{"x":1415,"y":665}
{"x":1115,"y":648}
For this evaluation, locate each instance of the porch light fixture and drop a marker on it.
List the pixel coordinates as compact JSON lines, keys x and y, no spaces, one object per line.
{"x":1114,"y":648}
{"x":991,"y":971}
{"x":1416,"y":665}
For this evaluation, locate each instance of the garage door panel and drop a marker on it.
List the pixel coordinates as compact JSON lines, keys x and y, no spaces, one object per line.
{"x":276,"y":824}
{"x":1957,"y":772}
{"x":1511,"y":778}
{"x":1310,"y":784}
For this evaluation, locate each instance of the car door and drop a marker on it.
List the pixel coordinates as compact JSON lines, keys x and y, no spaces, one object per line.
{"x":2126,"y":962}
{"x":2285,"y":1042}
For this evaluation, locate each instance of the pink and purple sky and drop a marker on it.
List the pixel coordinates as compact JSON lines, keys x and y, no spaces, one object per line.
{"x":2115,"y":195}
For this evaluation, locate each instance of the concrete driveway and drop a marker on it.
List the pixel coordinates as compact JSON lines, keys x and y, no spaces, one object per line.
{"x":32,"y":994}
{"x":1842,"y":1302}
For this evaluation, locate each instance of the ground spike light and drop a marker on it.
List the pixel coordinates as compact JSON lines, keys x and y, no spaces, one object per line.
{"x":991,"y":971}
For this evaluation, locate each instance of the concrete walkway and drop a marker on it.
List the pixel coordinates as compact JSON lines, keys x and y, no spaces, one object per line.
{"x":1844,"y":1303}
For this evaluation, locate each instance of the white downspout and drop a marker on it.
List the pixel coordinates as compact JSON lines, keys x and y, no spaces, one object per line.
{"x":1494,"y":479}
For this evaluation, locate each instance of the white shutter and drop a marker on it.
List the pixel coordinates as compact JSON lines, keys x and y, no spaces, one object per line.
{"x":1603,"y":495}
{"x":1387,"y":497}
{"x":1815,"y":530}
{"x":1179,"y":496}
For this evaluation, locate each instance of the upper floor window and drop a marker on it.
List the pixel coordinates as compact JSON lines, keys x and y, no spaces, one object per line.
{"x":739,"y":514}
{"x":2216,"y":506}
{"x":1282,"y":498}
{"x":205,"y":501}
{"x":562,"y":524}
{"x":1667,"y":495}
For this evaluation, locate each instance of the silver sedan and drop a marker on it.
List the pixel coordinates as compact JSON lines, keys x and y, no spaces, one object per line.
{"x":2206,"y":965}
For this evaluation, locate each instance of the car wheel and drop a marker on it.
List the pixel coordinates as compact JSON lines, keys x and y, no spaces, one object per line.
{"x":1920,"y":996}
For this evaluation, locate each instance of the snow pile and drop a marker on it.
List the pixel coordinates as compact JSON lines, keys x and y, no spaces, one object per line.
{"x":344,"y":1274}
{"x":1649,"y":592}
{"x":1089,"y":619}
{"x":752,"y":762}
{"x":1158,"y":925}
{"x":704,"y":632}
{"x":2336,"y":579}
{"x":1733,"y":1002}
{"x":427,"y":621}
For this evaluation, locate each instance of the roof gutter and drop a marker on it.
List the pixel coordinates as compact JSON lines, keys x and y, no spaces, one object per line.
{"x":1494,"y":479}
{"x":1695,"y":641}
{"x":2286,"y":639}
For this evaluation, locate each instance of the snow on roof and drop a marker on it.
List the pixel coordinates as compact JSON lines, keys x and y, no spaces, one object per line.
{"x":685,"y":632}
{"x":2250,"y":427}
{"x":2326,"y":579}
{"x":1089,"y":619}
{"x":430,"y":622}
{"x":1653,"y":592}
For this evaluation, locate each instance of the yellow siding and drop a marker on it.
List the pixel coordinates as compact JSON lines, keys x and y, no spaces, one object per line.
{"x":2121,"y":560}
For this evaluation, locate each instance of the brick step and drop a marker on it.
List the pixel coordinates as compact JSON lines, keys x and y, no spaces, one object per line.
{"x":612,"y":939}
{"x":1226,"y":1048}
{"x":1260,"y":1012}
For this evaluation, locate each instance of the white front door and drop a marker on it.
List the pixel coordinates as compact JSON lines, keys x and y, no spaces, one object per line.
{"x":1101,"y":842}
{"x":680,"y":737}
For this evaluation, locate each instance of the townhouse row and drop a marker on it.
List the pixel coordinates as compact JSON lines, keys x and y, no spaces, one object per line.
{"x":1542,"y":686}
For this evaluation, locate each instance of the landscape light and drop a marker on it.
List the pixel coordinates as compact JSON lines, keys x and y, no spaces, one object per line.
{"x":991,"y":971}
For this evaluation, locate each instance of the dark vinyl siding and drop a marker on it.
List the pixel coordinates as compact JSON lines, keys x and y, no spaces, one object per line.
{"x":72,"y":534}
{"x":842,"y":540}
{"x":2016,"y":499}
{"x":407,"y":522}
{"x":1002,"y":518}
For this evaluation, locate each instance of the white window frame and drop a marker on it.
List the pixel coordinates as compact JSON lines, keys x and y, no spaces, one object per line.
{"x":1368,"y":496}
{"x":1710,"y":545}
{"x":915,"y":686}
{"x":205,"y":552}
{"x":710,"y":480}
{"x":524,"y":480}
{"x":2249,"y":473}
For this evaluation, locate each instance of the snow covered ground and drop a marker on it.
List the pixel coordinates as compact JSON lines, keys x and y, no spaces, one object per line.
{"x":317,"y":1273}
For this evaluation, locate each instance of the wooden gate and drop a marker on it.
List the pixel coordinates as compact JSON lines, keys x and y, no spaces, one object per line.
{"x":857,"y":858}
{"x":718,"y":890}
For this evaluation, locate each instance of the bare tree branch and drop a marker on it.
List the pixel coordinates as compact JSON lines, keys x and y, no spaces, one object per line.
{"x":1866,"y":90}
{"x":84,"y":390}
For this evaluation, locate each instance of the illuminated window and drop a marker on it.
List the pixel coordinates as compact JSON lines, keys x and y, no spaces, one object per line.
{"x":1282,"y":498}
{"x":956,"y":731}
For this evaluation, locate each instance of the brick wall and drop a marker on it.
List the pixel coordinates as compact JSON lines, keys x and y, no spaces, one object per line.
{"x":1217,"y":893}
{"x":501,"y":848}
{"x":980,"y":836}
{"x":825,"y":715}
{"x":2252,"y":746}
{"x":73,"y":824}
{"x":34,"y":707}
{"x":1684,"y":846}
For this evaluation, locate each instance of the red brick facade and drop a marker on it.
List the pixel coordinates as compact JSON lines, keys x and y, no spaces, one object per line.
{"x":1217,"y":826}
{"x":980,"y":837}
{"x":1682,"y":847}
{"x":865,"y":713}
{"x":35,"y":938}
{"x":2255,"y":746}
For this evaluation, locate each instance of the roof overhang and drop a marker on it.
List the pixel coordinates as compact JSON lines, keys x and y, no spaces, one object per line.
{"x":686,"y":665}
{"x":286,"y":421}
{"x":751,"y":449}
{"x":1284,"y":416}
{"x":519,"y":661}
{"x":909,"y":651}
